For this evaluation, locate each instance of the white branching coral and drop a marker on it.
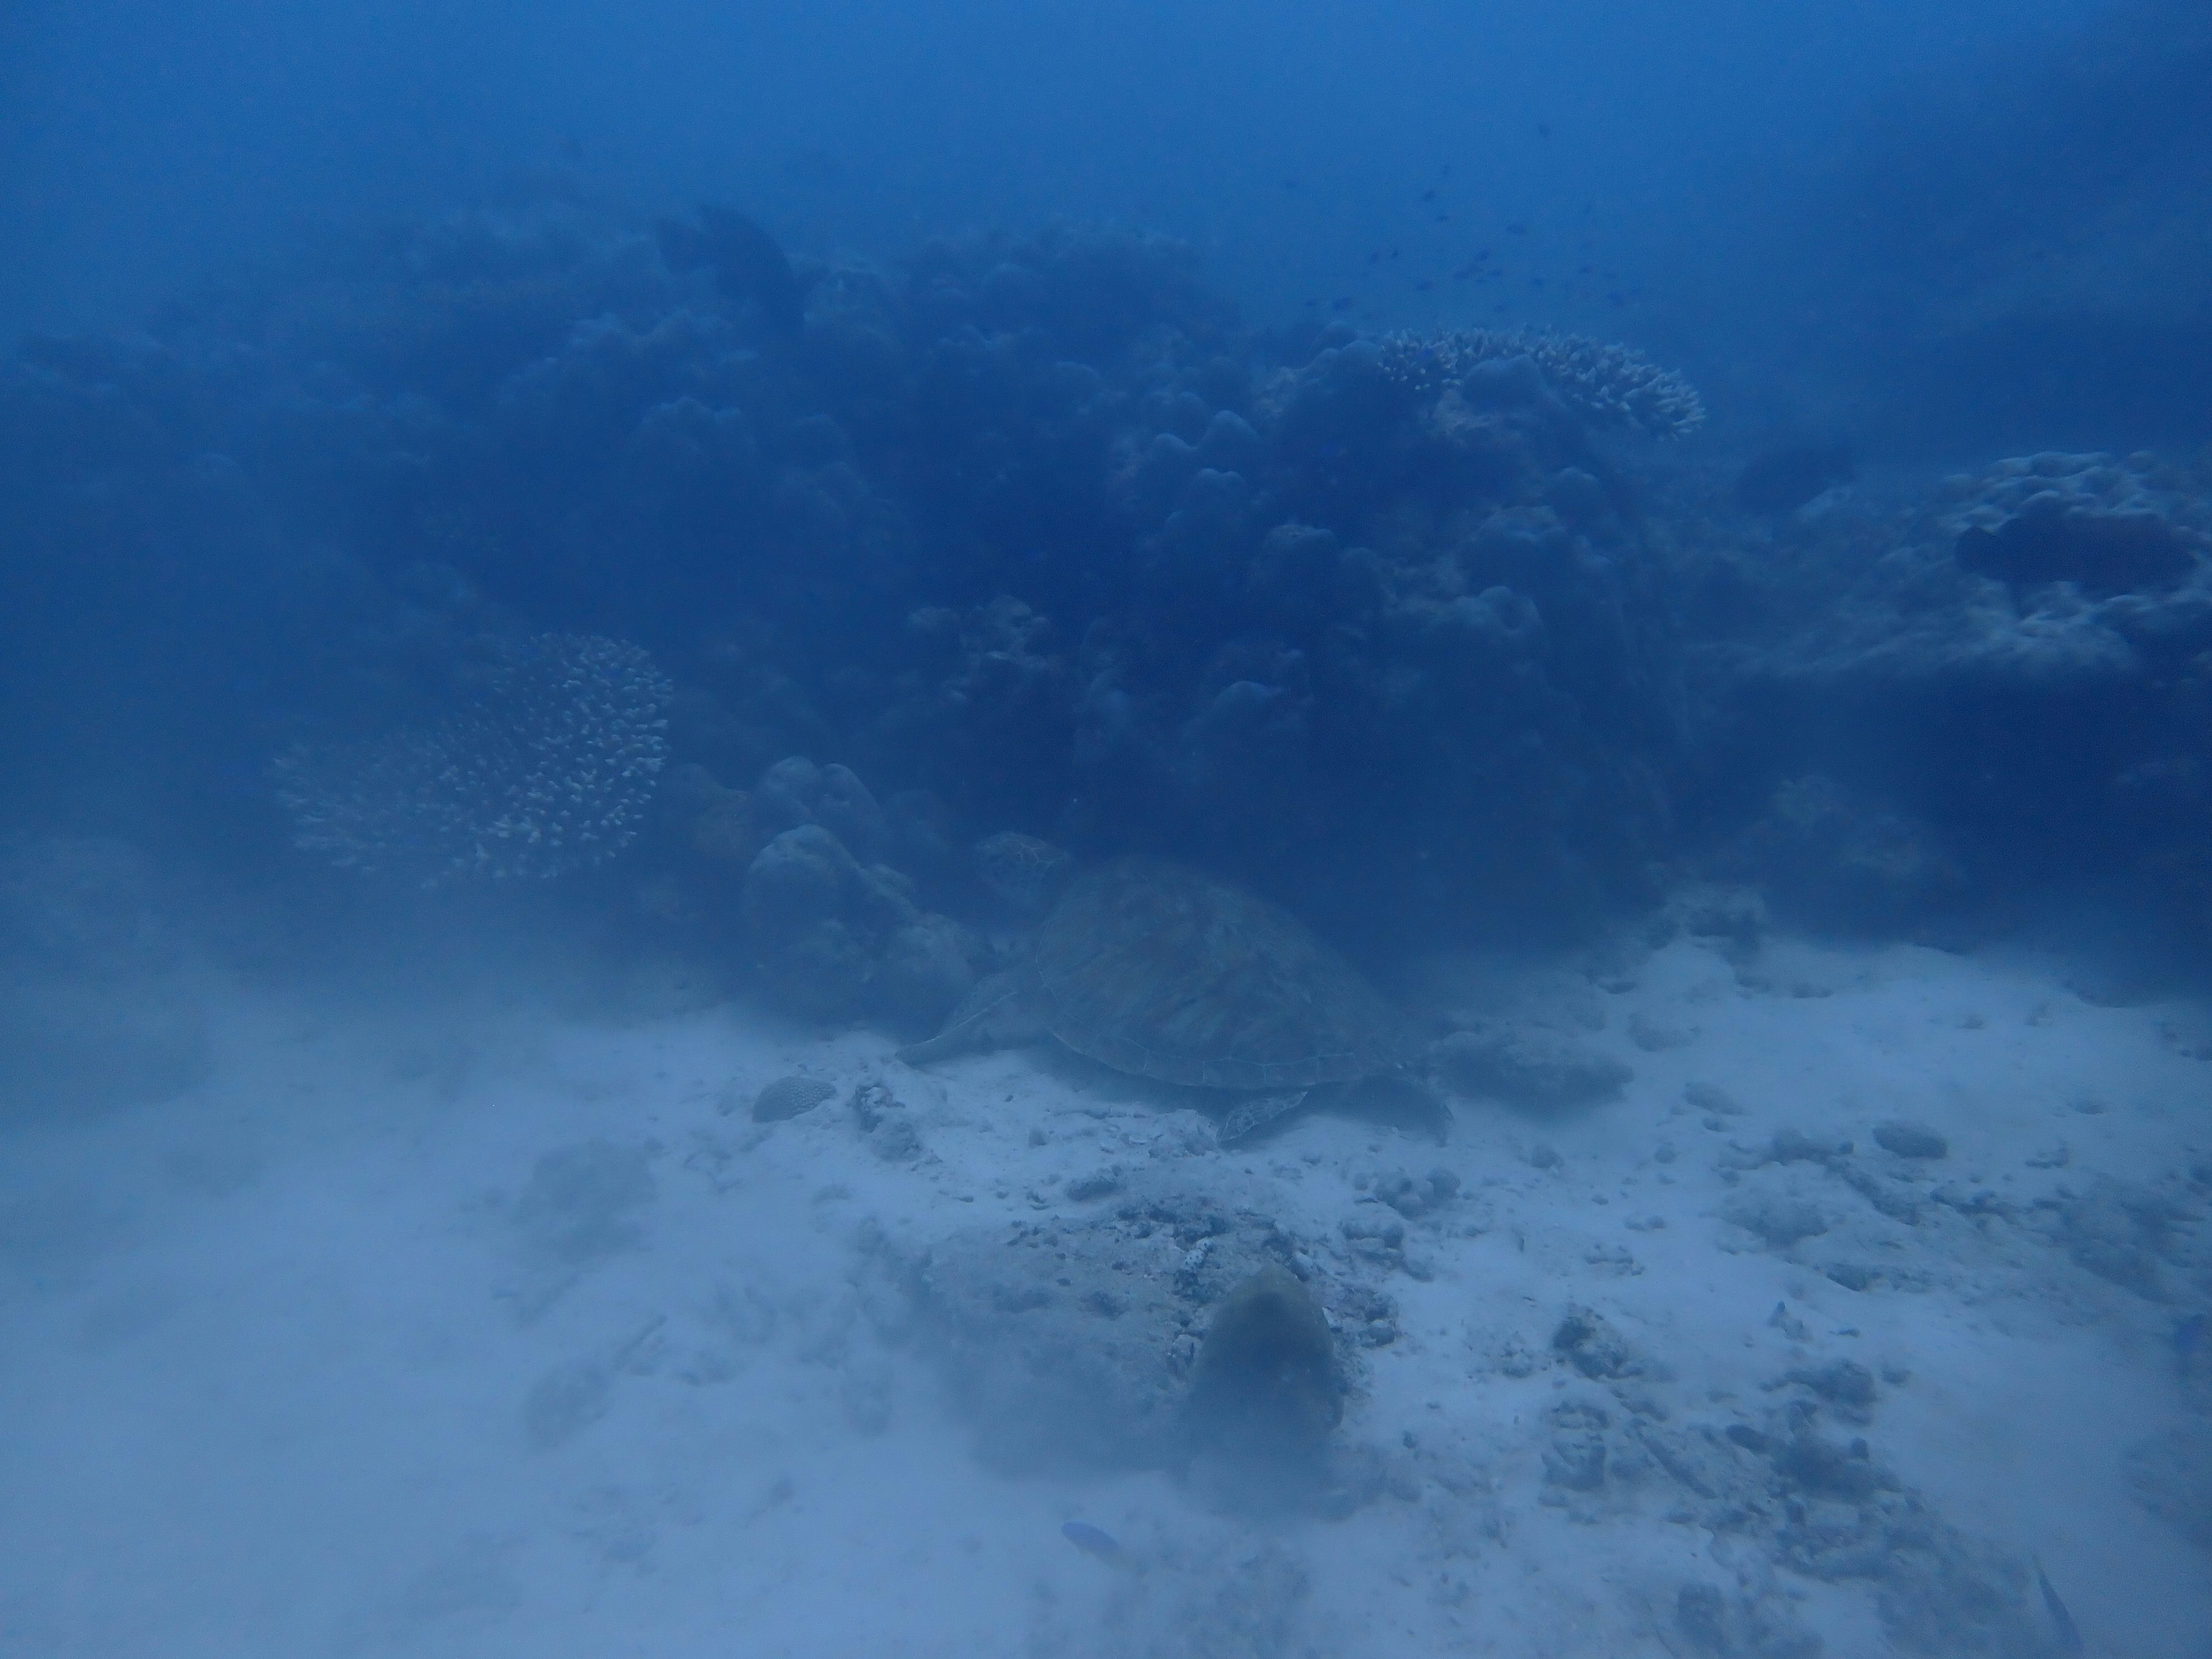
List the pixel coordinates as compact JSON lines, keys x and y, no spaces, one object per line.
{"x":550,"y":768}
{"x":1612,"y":385}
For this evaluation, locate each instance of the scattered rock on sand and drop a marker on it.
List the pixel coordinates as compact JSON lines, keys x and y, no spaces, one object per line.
{"x":1071,"y":1342}
{"x":885,"y":1124}
{"x":1099,"y":1183}
{"x":1590,"y":1342}
{"x":788,"y":1097}
{"x":1711,"y":1099}
{"x":1777,"y":1220}
{"x":1657,"y":1036}
{"x":1910,"y":1139}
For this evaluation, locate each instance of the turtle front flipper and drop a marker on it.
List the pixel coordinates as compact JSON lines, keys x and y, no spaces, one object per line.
{"x":996,"y":1014}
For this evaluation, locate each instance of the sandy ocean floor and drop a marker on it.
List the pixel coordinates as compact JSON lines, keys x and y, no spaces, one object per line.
{"x":491,"y":1336}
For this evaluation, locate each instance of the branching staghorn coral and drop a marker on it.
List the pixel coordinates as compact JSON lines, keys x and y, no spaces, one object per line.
{"x":549,"y":769}
{"x":1614,"y":384}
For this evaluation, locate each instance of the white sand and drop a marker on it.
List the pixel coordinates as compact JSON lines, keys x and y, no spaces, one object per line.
{"x":290,"y":1366}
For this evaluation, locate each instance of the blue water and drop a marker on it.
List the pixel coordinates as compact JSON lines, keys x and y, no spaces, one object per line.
{"x":776,"y":490}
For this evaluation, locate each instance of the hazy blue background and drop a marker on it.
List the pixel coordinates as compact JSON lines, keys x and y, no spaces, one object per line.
{"x":777,"y":473}
{"x":147,"y":145}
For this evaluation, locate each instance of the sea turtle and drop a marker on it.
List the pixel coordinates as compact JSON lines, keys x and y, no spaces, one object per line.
{"x":1153,"y":968}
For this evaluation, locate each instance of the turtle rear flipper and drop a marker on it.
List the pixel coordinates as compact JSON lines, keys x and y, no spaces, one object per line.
{"x":1398,"y":1099}
{"x":1386,"y":1098}
{"x":996,"y":1014}
{"x":1253,"y":1113}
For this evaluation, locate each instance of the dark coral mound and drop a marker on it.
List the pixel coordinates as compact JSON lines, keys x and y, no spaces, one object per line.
{"x":1976,"y":689}
{"x":1426,"y":637}
{"x":1030,"y":522}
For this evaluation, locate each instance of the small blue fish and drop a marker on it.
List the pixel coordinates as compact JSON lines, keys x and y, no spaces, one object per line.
{"x":1093,"y":1541}
{"x":2190,"y":1342}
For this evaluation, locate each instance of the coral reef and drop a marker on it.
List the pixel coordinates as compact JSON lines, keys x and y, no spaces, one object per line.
{"x":748,"y":265}
{"x":831,"y":935}
{"x":1828,"y":858}
{"x":1606,"y":383}
{"x":1028,"y":529}
{"x":550,"y":768}
{"x":1985,"y":685}
{"x":2111,"y":527}
{"x":834,"y":929}
{"x":1035,"y":535}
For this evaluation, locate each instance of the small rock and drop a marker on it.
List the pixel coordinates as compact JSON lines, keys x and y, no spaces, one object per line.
{"x":870,"y":1100}
{"x":1099,"y":1183}
{"x":1846,"y":1383}
{"x":1589,"y":1343}
{"x":1792,"y":1147}
{"x":1514,"y":1359}
{"x":1711,"y":1098}
{"x":1824,"y":1469}
{"x":1780,"y":1222}
{"x":895,"y":1140}
{"x":1379,"y":1234}
{"x":1410,"y":1197}
{"x":1894,"y":1197}
{"x":1654,"y":1037}
{"x":1910,"y":1140}
{"x":788,"y":1097}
